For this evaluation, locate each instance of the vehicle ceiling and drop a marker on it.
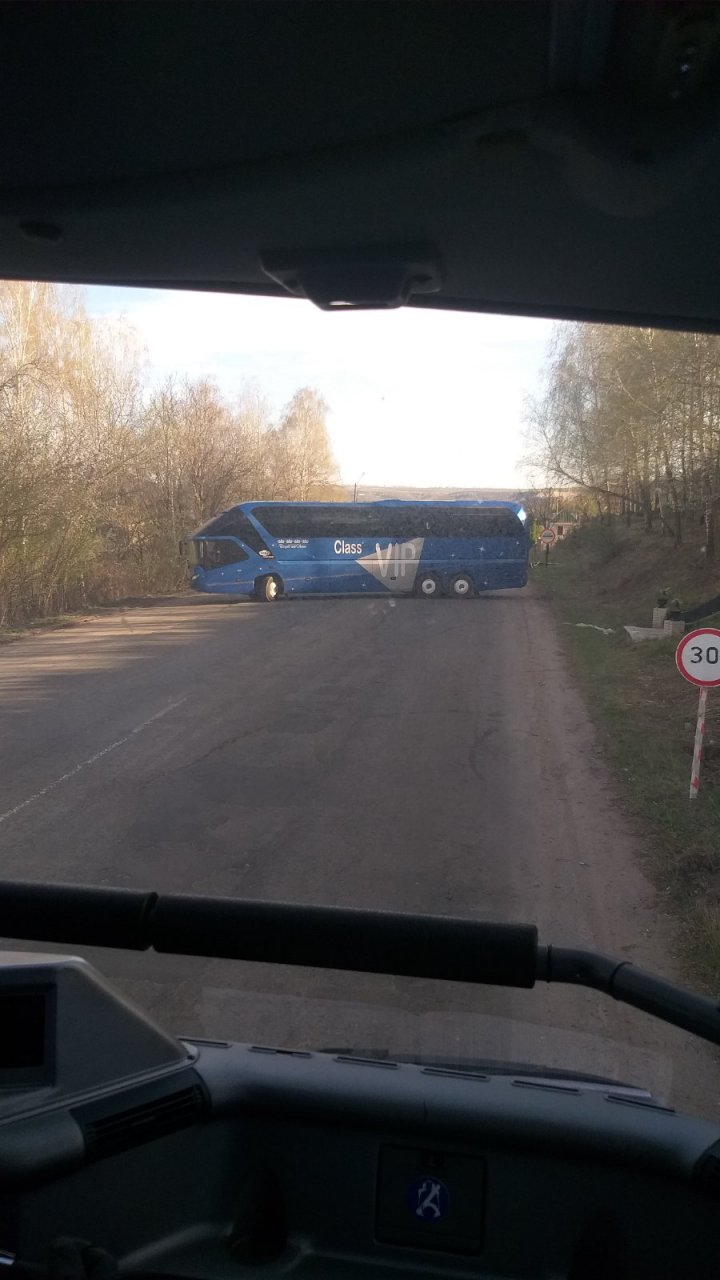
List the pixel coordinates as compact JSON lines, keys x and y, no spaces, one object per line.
{"x":550,"y":158}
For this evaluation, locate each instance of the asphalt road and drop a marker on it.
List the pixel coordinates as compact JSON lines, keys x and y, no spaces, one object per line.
{"x":409,"y":754}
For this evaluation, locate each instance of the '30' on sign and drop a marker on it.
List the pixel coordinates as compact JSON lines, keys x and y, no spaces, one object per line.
{"x":698,"y":657}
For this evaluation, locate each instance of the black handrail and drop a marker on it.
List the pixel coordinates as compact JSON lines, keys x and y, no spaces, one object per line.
{"x":420,"y":946}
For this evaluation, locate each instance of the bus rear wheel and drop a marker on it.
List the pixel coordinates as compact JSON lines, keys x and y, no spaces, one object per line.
{"x":428,"y":585}
{"x":462,"y":586}
{"x":269,"y":588}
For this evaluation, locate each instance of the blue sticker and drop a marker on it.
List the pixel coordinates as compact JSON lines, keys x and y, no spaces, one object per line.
{"x":428,"y":1198}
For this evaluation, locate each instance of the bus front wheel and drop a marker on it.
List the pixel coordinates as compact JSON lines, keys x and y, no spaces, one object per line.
{"x":428,"y":585}
{"x":269,"y":588}
{"x":461,"y":586}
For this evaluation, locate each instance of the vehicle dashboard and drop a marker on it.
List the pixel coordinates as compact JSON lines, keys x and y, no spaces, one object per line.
{"x":210,"y":1159}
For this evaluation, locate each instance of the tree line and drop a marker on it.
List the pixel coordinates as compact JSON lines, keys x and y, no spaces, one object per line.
{"x":102,"y":472}
{"x":631,"y":416}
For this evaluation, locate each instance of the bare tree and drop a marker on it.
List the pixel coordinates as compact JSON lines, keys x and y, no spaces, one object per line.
{"x":99,"y":478}
{"x":633,"y":416}
{"x":303,"y":462}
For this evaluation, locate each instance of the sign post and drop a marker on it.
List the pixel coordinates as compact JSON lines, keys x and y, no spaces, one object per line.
{"x":698,"y":660}
{"x":548,"y":538}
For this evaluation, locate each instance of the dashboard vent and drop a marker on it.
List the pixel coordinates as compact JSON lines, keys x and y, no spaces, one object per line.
{"x":707,"y":1172}
{"x":106,"y":1135}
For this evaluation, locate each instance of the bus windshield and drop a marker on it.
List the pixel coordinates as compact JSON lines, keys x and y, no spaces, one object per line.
{"x":483,"y":539}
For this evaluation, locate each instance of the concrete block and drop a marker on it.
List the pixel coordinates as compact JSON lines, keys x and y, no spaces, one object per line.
{"x":645,"y":633}
{"x":659,"y":616}
{"x":673,"y":627}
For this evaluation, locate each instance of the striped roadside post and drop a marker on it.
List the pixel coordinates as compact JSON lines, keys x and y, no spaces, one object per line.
{"x":697,"y":753}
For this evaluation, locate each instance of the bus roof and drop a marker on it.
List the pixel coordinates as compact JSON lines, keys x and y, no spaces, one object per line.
{"x":385,"y":502}
{"x":516,"y":507}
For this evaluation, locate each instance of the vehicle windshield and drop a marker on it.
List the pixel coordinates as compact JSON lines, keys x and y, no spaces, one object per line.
{"x":373,"y":610}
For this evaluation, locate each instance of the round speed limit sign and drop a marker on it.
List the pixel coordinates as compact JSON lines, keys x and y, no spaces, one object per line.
{"x":698,"y":657}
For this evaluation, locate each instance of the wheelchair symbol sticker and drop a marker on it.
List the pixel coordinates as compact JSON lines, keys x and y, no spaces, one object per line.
{"x":429,"y":1199}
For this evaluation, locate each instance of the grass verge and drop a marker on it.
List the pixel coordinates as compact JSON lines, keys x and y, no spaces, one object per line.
{"x":58,"y":621}
{"x":55,"y":623}
{"x":646,"y":712}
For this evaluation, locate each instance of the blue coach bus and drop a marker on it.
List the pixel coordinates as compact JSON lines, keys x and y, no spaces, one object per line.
{"x":270,"y":549}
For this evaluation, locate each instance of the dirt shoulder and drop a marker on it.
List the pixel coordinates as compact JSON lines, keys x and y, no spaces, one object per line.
{"x":595,"y":883}
{"x":180,"y":599}
{"x":597,"y":583}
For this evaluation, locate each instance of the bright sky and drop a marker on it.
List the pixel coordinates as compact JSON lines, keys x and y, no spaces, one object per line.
{"x":416,"y":397}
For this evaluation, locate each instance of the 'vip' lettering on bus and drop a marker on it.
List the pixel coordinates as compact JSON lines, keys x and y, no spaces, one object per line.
{"x":394,"y":557}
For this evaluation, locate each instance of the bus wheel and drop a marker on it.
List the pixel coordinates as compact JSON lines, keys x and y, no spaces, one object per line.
{"x":268,"y":588}
{"x":462,"y":585}
{"x":427,"y":585}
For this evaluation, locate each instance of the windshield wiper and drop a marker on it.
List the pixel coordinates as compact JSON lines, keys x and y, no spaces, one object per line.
{"x":418,"y":946}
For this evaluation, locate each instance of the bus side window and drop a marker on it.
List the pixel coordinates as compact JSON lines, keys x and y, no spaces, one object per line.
{"x":212,"y":553}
